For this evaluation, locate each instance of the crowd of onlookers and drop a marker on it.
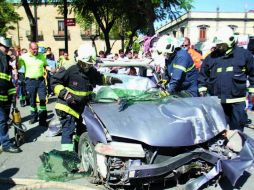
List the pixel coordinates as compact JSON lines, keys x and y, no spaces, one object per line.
{"x":18,"y":76}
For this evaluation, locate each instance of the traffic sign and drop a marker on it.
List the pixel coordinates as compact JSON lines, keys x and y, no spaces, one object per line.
{"x":70,"y":22}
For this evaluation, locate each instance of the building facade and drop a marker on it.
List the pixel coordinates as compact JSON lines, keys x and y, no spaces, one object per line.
{"x":50,"y":26}
{"x":201,"y":26}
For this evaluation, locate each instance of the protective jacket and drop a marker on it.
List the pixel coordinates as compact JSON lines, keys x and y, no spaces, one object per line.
{"x":225,"y":76}
{"x":182,"y":73}
{"x":7,"y":90}
{"x":196,"y":57}
{"x":77,"y":82}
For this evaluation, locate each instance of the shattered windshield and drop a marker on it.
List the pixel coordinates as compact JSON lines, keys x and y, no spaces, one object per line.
{"x":133,"y":88}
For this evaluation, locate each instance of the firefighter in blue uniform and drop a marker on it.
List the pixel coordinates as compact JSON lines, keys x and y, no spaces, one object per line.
{"x":73,"y":85}
{"x":7,"y":96}
{"x":224,"y":73}
{"x":180,"y":69}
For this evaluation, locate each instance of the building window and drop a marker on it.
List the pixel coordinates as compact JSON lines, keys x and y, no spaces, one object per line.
{"x":174,"y":33}
{"x":202,"y":34}
{"x":61,"y":27}
{"x":182,"y":31}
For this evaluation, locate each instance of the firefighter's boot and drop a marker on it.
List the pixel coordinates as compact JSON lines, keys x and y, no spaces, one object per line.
{"x":43,"y":118}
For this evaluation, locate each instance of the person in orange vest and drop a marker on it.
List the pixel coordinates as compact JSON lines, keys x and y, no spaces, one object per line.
{"x":196,"y":56}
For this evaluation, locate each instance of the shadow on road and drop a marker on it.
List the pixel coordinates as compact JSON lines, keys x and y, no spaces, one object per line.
{"x":27,"y":118}
{"x":5,"y":181}
{"x":33,"y":133}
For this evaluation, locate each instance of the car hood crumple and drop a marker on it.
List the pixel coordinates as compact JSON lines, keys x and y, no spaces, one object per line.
{"x":168,"y":123}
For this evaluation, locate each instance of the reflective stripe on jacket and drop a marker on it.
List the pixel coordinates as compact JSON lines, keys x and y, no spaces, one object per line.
{"x":6,"y":87}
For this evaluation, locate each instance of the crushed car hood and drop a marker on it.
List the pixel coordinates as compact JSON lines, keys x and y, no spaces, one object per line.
{"x":170,"y":122}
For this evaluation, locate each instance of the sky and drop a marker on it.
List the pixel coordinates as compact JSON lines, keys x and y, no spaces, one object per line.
{"x":224,"y":6}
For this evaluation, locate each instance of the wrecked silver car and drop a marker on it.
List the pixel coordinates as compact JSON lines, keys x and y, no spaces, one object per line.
{"x":135,"y":137}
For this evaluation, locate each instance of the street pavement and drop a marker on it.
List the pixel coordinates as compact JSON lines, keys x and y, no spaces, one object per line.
{"x":25,"y":165}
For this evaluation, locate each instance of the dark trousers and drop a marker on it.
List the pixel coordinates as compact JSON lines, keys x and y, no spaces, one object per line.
{"x":236,"y":115}
{"x":69,"y":124}
{"x":4,"y":117}
{"x":35,"y":87}
{"x":22,"y":87}
{"x":49,"y":78}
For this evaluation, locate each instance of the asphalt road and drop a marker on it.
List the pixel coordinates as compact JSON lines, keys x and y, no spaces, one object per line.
{"x":25,"y":165}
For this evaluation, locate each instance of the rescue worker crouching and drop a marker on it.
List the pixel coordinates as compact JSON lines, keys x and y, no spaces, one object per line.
{"x":180,"y":69}
{"x":224,"y":73}
{"x":74,"y":85}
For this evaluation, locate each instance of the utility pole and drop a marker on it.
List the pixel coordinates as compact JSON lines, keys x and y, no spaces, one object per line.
{"x":65,"y":26}
{"x":35,"y":18}
{"x":18,"y":33}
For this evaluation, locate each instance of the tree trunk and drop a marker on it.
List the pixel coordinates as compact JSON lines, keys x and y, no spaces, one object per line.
{"x":151,"y":30}
{"x":108,"y":47}
{"x":93,"y":38}
{"x":31,"y":19}
{"x":149,"y":9}
{"x":122,"y":41}
{"x":128,"y":48}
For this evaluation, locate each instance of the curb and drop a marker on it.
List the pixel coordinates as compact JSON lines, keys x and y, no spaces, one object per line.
{"x":30,"y":184}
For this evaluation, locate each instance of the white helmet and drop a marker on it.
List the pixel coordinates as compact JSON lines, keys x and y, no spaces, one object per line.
{"x":5,"y":41}
{"x":86,"y":53}
{"x":167,"y":44}
{"x":225,"y":35}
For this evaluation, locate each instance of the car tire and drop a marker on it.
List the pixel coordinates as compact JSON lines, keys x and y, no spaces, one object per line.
{"x":87,"y":155}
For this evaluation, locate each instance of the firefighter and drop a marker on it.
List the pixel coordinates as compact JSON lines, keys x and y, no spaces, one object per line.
{"x":35,"y":64}
{"x":180,"y":69}
{"x":73,"y":86}
{"x":7,"y":96}
{"x":224,"y":73}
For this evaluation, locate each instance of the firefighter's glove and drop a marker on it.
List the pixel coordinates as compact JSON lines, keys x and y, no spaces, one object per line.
{"x":162,"y":83}
{"x":164,"y":93}
{"x":69,"y":98}
{"x":202,"y":93}
{"x":113,"y":80}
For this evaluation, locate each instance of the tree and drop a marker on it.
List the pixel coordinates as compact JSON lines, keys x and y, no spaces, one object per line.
{"x":32,"y":18}
{"x":105,"y":13}
{"x":159,"y":10}
{"x":131,"y":16}
{"x":7,"y":17}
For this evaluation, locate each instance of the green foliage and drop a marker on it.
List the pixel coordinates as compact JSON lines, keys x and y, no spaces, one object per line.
{"x":117,"y":18}
{"x":84,"y":23}
{"x":171,"y":8}
{"x":136,"y":46}
{"x":8,"y":16}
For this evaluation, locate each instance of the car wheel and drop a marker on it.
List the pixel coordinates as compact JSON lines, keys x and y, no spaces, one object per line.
{"x":87,"y":155}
